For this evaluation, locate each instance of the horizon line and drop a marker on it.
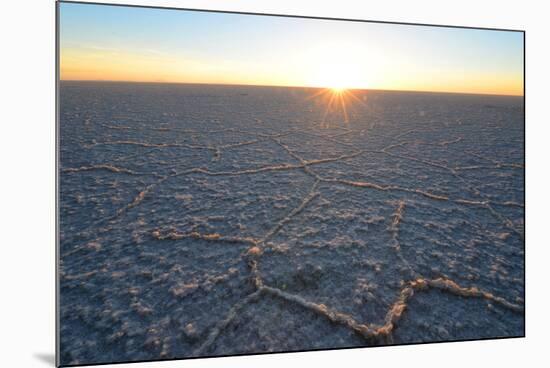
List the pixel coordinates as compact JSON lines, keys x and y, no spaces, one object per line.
{"x":290,"y":86}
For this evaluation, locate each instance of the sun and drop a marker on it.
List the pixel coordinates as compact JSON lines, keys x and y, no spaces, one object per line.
{"x":338,"y":75}
{"x":336,"y":79}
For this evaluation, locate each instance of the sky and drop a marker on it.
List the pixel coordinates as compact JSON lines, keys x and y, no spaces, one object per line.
{"x":115,"y":43}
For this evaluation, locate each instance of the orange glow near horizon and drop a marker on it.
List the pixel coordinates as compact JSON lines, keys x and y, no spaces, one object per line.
{"x":125,"y":66}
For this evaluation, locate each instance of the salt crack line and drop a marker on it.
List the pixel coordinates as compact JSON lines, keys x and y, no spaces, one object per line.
{"x":206,"y":282}
{"x":406,"y":133}
{"x":470,"y":202}
{"x":321,"y":309}
{"x":255,"y":272}
{"x":80,"y":276}
{"x":486,"y":167}
{"x":289,"y":151}
{"x":308,"y":198}
{"x":240,"y":144}
{"x":391,"y":146}
{"x":241,"y":172}
{"x":506,"y":221}
{"x":341,"y":134}
{"x":446,"y":143}
{"x":151,"y":145}
{"x":396,"y":310}
{"x":325,"y":137}
{"x":283,"y":167}
{"x":497,"y":163}
{"x":509,"y":204}
{"x":106,"y":167}
{"x":452,"y":287}
{"x":426,"y":162}
{"x":167,"y":129}
{"x":222,"y":325}
{"x":175,"y":235}
{"x":398,"y":216}
{"x":305,"y":164}
{"x":394,"y":231}
{"x":115,"y":127}
{"x":394,"y":226}
{"x":474,"y":167}
{"x":363,"y":184}
{"x":334,"y":159}
{"x":139,"y":198}
{"x":436,"y":144}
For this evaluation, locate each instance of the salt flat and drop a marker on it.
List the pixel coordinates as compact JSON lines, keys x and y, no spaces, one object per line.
{"x":202,"y":220}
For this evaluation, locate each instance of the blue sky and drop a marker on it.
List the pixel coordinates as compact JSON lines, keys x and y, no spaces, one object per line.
{"x":144,"y":44}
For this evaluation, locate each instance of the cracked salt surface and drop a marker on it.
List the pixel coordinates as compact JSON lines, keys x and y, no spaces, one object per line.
{"x":215,"y":220}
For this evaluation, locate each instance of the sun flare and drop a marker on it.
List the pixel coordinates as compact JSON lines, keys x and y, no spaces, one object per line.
{"x":339,"y":74}
{"x":337,"y":79}
{"x":338,"y":90}
{"x":336,"y":102}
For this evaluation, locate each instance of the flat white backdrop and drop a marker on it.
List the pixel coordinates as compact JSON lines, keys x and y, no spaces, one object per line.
{"x":27,"y":204}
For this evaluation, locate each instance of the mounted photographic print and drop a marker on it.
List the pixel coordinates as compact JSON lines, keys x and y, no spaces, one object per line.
{"x":233,"y":183}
